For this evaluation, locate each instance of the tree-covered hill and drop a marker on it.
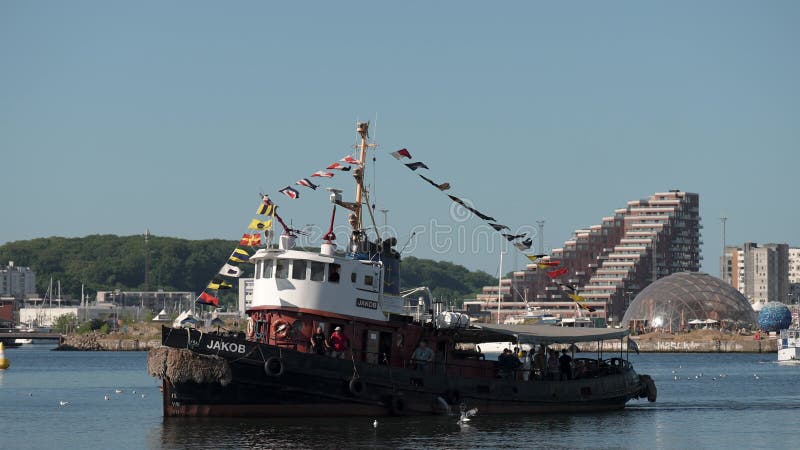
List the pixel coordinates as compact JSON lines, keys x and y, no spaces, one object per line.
{"x":107,"y":262}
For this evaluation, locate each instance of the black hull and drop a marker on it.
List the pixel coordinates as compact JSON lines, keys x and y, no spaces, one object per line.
{"x":303,"y":384}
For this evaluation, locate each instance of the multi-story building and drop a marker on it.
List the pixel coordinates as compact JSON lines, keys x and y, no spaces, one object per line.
{"x":16,"y":281}
{"x":731,"y":265}
{"x":611,"y":262}
{"x":761,"y":273}
{"x":794,"y":274}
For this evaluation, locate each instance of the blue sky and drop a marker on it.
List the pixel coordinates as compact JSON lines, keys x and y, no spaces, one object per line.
{"x":118,"y":116}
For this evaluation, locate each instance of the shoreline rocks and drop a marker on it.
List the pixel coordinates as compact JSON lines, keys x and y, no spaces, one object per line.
{"x":94,"y":342}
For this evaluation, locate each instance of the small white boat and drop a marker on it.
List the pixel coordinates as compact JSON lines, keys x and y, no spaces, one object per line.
{"x":789,"y":346}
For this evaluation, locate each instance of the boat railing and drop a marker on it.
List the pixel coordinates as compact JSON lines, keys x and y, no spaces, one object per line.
{"x":582,"y":368}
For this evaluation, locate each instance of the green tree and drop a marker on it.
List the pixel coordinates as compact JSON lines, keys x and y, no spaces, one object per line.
{"x":65,"y":323}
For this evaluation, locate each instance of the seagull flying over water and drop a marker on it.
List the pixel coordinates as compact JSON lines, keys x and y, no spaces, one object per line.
{"x":118,"y":391}
{"x":63,"y":403}
{"x":106,"y":397}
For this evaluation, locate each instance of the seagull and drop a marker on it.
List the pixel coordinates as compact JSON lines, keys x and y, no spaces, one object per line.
{"x":375,"y":423}
{"x":714,"y":379}
{"x":63,"y":403}
{"x":106,"y":397}
{"x":676,"y":378}
{"x":30,"y":394}
{"x":142,"y":395}
{"x":465,"y":415}
{"x":133,"y":392}
{"x":118,"y":391}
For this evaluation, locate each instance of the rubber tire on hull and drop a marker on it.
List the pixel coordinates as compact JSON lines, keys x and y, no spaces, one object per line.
{"x":357,"y":387}
{"x":274,"y":367}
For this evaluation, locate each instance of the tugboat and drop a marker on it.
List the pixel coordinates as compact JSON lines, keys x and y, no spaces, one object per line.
{"x":272,"y":370}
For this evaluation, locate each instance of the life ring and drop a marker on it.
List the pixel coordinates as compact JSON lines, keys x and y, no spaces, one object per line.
{"x":397,"y":406}
{"x":274,"y":366}
{"x":356,"y":386}
{"x":251,"y":327}
{"x":281,"y":329}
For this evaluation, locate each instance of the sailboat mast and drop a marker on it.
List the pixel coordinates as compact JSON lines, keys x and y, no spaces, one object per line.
{"x":363,"y":130}
{"x":499,"y":283}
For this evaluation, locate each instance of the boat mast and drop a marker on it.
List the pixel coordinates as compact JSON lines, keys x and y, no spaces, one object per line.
{"x":499,"y":283}
{"x":356,"y":221}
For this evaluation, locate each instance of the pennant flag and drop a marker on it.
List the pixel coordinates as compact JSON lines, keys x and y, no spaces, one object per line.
{"x":511,"y":237}
{"x":546,"y":264}
{"x":207,"y":299}
{"x":576,"y":297}
{"x":524,"y":245}
{"x":472,"y":210}
{"x":307,"y":183}
{"x":290,"y":192}
{"x":569,"y":287}
{"x":266,"y":209}
{"x":441,"y":187}
{"x":533,"y":258}
{"x":239,"y":256}
{"x":586,"y":307}
{"x":349,"y":160}
{"x":416,"y":165}
{"x":230,"y":271}
{"x":337,"y":166}
{"x":218,"y":283}
{"x":251,"y":240}
{"x":402,"y":153}
{"x":322,"y":173}
{"x":256,"y":224}
{"x":553,"y":274}
{"x":497,"y":226}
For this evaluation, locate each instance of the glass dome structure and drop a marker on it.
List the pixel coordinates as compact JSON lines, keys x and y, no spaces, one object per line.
{"x":676,"y":300}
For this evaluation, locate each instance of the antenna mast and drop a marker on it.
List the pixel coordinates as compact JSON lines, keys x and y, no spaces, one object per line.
{"x":356,"y":220}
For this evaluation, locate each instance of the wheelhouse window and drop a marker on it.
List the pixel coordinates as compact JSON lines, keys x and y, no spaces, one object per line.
{"x":281,"y":268}
{"x":333,"y":273}
{"x":267,"y":265}
{"x":317,"y":271}
{"x":259,"y":265}
{"x":368,"y":280}
{"x":299,"y":269}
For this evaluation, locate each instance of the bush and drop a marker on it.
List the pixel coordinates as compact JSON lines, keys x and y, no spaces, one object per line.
{"x":65,"y":323}
{"x":104,"y":328}
{"x":92,"y":325}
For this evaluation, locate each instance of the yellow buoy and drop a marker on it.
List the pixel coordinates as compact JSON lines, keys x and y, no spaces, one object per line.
{"x":3,"y":360}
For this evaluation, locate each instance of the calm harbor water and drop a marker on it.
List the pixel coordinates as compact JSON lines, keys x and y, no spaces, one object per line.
{"x":737,"y":410}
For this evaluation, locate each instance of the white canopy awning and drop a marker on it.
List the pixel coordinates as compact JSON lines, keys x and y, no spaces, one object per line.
{"x":547,"y":334}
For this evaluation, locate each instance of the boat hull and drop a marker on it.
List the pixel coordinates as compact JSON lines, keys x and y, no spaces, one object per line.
{"x":789,"y":354}
{"x":270,"y":381}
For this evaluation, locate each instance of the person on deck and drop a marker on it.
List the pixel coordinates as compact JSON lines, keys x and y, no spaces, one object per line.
{"x":422,"y":356}
{"x":540,"y":364}
{"x":507,"y":362}
{"x":339,"y":343}
{"x":526,"y":365}
{"x":319,"y":344}
{"x":565,"y":365}
{"x":552,"y":365}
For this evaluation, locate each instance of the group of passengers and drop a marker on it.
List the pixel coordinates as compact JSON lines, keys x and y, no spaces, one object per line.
{"x":336,"y":345}
{"x":544,"y":364}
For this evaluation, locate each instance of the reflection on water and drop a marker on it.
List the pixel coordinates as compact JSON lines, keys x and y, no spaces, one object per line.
{"x":746,"y":408}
